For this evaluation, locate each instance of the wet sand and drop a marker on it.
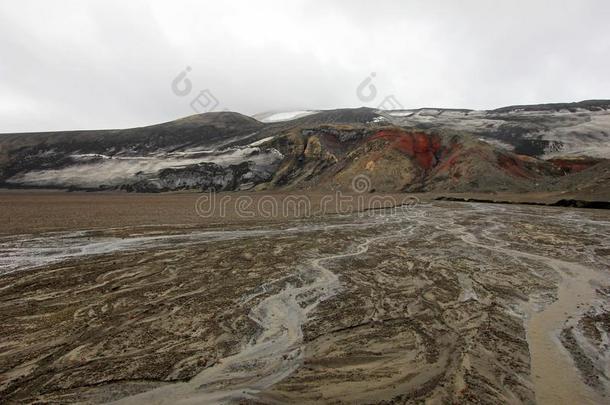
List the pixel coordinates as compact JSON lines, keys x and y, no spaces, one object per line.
{"x":438,"y":302}
{"x":32,"y":211}
{"x":556,"y":376}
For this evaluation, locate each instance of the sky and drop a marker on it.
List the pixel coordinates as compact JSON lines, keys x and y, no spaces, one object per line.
{"x":88,"y":64}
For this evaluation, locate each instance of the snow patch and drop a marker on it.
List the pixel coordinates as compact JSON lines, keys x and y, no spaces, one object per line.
{"x":261,"y":141}
{"x":114,"y":171}
{"x":285,"y":116}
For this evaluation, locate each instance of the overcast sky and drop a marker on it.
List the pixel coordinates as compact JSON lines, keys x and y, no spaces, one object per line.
{"x":110,"y":64}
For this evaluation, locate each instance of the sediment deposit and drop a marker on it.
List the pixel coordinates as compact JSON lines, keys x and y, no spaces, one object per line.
{"x":443,"y":301}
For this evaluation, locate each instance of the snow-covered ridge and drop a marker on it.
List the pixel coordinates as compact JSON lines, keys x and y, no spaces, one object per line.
{"x":270,"y":117}
{"x":95,"y":170}
{"x":544,"y":133}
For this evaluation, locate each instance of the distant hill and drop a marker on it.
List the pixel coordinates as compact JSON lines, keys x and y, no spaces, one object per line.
{"x":519,"y":148}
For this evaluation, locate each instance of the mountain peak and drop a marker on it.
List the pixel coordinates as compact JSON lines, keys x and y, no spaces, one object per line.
{"x":216,"y":118}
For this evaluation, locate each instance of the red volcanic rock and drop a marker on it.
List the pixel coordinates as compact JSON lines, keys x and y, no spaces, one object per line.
{"x":420,"y":146}
{"x":574,"y":165}
{"x":449,"y":157}
{"x":513,"y":165}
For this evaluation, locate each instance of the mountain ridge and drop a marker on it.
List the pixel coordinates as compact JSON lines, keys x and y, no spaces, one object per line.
{"x":516,"y":148}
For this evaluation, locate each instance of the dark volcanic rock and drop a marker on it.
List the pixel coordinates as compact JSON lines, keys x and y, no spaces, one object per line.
{"x":203,"y":177}
{"x":518,"y":149}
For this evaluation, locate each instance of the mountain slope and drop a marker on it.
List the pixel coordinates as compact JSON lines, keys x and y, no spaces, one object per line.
{"x":544,"y":131}
{"x":395,"y":159}
{"x":113,"y":158}
{"x":408,"y":150}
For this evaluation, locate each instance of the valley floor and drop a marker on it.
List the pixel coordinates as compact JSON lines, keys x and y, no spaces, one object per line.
{"x":142,"y":299}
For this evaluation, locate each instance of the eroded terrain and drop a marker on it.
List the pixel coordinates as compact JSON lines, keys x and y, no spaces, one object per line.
{"x":445,"y":302}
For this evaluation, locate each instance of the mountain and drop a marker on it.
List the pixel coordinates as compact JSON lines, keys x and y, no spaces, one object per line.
{"x":519,"y":148}
{"x":545,"y":131}
{"x":109,"y":159}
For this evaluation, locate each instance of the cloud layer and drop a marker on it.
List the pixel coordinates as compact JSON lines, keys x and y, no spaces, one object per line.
{"x":107,"y":64}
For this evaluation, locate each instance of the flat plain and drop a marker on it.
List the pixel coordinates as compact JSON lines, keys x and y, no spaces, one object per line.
{"x":130,"y":298}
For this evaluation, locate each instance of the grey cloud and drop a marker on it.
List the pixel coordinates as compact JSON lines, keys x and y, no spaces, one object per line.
{"x":104,"y":64}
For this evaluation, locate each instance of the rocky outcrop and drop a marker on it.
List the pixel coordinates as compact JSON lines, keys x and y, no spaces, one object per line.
{"x":543,"y":131}
{"x":407,"y":150}
{"x":574,"y":165}
{"x":203,"y":177}
{"x":397,"y":159}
